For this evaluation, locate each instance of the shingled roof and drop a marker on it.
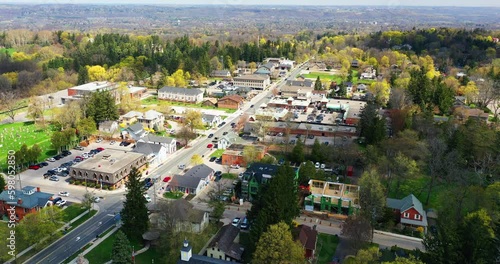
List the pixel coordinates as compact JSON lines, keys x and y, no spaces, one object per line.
{"x":224,"y":240}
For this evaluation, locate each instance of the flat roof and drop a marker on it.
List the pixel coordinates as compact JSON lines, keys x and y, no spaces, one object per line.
{"x":259,"y":77}
{"x":93,"y":86}
{"x":134,"y":89}
{"x":108,"y":161}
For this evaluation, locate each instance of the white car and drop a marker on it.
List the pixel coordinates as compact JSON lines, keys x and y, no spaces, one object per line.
{"x":51,"y":159}
{"x":112,"y":142}
{"x":322,"y":166}
{"x":148,"y":199}
{"x":96,"y":199}
{"x":181,"y":166}
{"x":65,"y":194}
{"x":236,"y":166}
{"x":317,"y":165}
{"x":61,"y":203}
{"x":236,"y":221}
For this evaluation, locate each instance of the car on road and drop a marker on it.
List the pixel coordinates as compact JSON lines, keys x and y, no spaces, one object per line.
{"x":167,"y":179}
{"x":233,"y":125}
{"x":181,"y":166}
{"x":34,"y":167}
{"x":53,"y":178}
{"x":225,"y":133}
{"x":244,"y":223}
{"x":210,"y":145}
{"x":64,"y":194}
{"x":236,"y":221}
{"x":61,"y":203}
{"x":99,"y":149}
{"x":148,"y":199}
{"x":96,"y":199}
{"x":79,"y":148}
{"x":112,"y":142}
{"x":212,"y":159}
{"x":51,"y":159}
{"x":210,"y":136}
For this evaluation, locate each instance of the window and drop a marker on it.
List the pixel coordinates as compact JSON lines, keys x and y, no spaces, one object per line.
{"x":417,"y":217}
{"x":406,"y":215}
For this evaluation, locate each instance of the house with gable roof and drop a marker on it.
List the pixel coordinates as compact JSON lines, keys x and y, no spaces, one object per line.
{"x":153,"y":120}
{"x":155,"y":154}
{"x":170,"y":144}
{"x":231,"y":102}
{"x":409,"y":211}
{"x":178,"y":94}
{"x":308,"y":238}
{"x":135,"y":132}
{"x":25,"y":201}
{"x":193,"y":181}
{"x":225,"y":245}
{"x":211,"y":120}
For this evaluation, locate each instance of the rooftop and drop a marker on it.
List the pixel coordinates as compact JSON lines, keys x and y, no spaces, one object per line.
{"x":95,"y":86}
{"x":180,"y":90}
{"x":252,"y":77}
{"x":29,"y":196}
{"x":108,"y":161}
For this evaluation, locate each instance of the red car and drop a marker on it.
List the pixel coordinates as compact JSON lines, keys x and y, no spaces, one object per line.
{"x":167,"y":179}
{"x":100,"y":149}
{"x":34,"y":167}
{"x":210,"y":145}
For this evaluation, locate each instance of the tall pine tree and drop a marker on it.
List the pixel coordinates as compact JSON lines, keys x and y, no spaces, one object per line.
{"x":122,"y":251}
{"x":101,"y":106}
{"x":318,"y":85}
{"x":135,"y":213}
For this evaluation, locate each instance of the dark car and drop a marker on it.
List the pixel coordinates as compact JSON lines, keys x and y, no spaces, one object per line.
{"x":218,"y":173}
{"x":63,"y":173}
{"x":58,"y":157}
{"x":43,"y":164}
{"x":66,"y":153}
{"x":225,"y":133}
{"x":51,"y":172}
{"x":212,"y":159}
{"x":122,"y":143}
{"x":252,"y":106}
{"x":210,"y":136}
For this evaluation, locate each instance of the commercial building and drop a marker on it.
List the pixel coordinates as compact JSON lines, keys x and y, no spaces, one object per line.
{"x":234,"y":154}
{"x":108,"y":168}
{"x":254,"y":81}
{"x":85,"y":90}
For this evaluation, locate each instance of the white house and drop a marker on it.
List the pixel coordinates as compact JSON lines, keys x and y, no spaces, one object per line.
{"x":109,"y":127}
{"x":135,"y":132}
{"x":170,"y":144}
{"x":177,"y":94}
{"x":254,"y":81}
{"x":211,"y":120}
{"x":193,"y":181}
{"x":155,"y":154}
{"x":152,"y":119}
{"x":361,"y":87}
{"x":225,"y":141}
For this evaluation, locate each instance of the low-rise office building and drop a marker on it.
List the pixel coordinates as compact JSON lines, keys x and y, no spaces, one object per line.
{"x":254,"y":81}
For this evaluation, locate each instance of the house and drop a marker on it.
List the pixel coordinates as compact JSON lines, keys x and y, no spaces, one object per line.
{"x":169,"y":143}
{"x":361,"y":87}
{"x":155,"y":154}
{"x":297,"y":89}
{"x":225,"y":141}
{"x":135,"y":132}
{"x":230,"y":102}
{"x":193,"y":181}
{"x":211,"y":102}
{"x":234,"y":154}
{"x":136,"y":92}
{"x":255,"y":81}
{"x":130,"y":117}
{"x":225,"y":245}
{"x":177,"y":94}
{"x":463,"y":113}
{"x":369,"y":74}
{"x":332,"y":197}
{"x":220,"y":74}
{"x":408,"y":211}
{"x":308,"y":238}
{"x":211,"y":120}
{"x":317,"y":66}
{"x":109,"y":127}
{"x":354,"y":63}
{"x":187,"y":257}
{"x":153,"y":120}
{"x":190,"y":218}
{"x":256,"y":175}
{"x":22,"y":202}
{"x":264,"y":70}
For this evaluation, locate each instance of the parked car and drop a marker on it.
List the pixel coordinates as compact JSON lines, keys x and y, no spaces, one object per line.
{"x":181,"y":166}
{"x":53,"y":178}
{"x":34,"y":167}
{"x":47,"y":175}
{"x":64,"y":194}
{"x":235,"y":166}
{"x":56,"y":200}
{"x":322,"y":166}
{"x":148,"y":199}
{"x":51,"y":159}
{"x":79,"y":148}
{"x":63,"y":173}
{"x":58,"y":157}
{"x":96,"y":199}
{"x":62,"y":203}
{"x":210,"y":136}
{"x":236,"y":221}
{"x":99,"y":149}
{"x":167,"y":179}
{"x":244,"y":223}
{"x":310,"y":136}
{"x":225,"y":133}
{"x":112,"y":142}
{"x":212,"y":159}
{"x":99,"y":140}
{"x":66,"y":153}
{"x":316,"y":165}
{"x":218,"y":173}
{"x":210,"y":145}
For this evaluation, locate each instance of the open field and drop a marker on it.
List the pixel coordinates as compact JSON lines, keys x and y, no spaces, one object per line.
{"x":14,"y":135}
{"x":327,"y":76}
{"x":327,"y":244}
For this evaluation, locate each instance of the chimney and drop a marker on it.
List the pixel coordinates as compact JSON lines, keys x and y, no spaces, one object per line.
{"x":19,"y":201}
{"x":38,"y":189}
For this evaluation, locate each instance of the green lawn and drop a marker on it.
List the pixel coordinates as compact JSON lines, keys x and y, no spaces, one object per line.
{"x":336,"y":78}
{"x":230,"y":176}
{"x":419,"y":187}
{"x":72,"y":211}
{"x":217,"y":153}
{"x":327,"y":244}
{"x":173,"y":195}
{"x":154,"y":101}
{"x":16,"y":134}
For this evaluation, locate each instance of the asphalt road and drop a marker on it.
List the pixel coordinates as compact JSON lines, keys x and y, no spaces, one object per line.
{"x":87,"y":232}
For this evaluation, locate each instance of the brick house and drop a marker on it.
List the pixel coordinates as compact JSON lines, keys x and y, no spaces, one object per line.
{"x":25,"y":201}
{"x":230,"y":102}
{"x":409,"y":211}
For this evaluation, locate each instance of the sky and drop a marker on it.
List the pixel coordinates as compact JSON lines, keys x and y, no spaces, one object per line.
{"x":389,"y":3}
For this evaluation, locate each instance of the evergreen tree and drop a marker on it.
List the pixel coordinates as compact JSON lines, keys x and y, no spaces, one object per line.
{"x":122,"y":251}
{"x":372,"y":127}
{"x":342,"y":90}
{"x":297,"y":154}
{"x":135,"y":213}
{"x":83,"y":76}
{"x":317,"y":85}
{"x":317,"y":152}
{"x":101,"y":106}
{"x":278,"y":202}
{"x":306,"y":172}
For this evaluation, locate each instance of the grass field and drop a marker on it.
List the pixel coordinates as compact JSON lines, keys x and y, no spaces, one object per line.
{"x":327,"y":245}
{"x":217,"y":153}
{"x":325,"y":76}
{"x":173,"y":195}
{"x":154,"y":101}
{"x":16,"y":134}
{"x":72,"y":211}
{"x":419,"y":187}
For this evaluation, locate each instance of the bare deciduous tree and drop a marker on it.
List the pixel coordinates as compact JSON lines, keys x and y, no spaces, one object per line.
{"x":9,"y":101}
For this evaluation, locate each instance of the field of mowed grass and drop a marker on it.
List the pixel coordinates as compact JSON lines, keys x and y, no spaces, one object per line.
{"x":326,"y":76}
{"x":14,"y":135}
